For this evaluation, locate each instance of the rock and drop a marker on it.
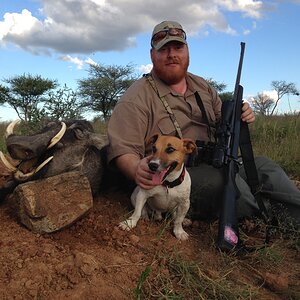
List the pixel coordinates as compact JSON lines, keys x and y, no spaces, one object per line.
{"x":50,"y":204}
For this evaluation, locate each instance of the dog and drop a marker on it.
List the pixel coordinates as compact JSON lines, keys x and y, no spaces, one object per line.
{"x":174,"y":184}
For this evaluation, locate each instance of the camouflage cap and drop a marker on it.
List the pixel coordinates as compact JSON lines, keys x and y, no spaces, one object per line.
{"x":166,"y":26}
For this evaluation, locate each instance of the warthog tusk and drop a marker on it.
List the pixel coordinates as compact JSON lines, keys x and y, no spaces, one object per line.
{"x":20,"y":176}
{"x":10,"y":128}
{"x":43,"y":164}
{"x":6,"y":163}
{"x":58,"y":137}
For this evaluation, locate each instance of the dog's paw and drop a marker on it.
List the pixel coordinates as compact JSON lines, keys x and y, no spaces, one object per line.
{"x":181,"y":235}
{"x":127,"y":225}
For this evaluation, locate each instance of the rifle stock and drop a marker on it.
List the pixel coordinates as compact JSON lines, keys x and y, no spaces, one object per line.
{"x":226,"y":156}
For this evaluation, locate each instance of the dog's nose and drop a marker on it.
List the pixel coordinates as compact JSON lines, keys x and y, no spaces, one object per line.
{"x":153,"y":166}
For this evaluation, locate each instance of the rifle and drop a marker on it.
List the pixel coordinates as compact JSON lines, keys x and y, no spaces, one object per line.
{"x":226,"y":156}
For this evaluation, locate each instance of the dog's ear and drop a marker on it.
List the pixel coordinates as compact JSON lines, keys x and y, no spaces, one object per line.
{"x":189,"y":146}
{"x":152,"y":139}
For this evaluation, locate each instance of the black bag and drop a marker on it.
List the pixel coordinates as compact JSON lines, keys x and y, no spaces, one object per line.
{"x":204,"y":154}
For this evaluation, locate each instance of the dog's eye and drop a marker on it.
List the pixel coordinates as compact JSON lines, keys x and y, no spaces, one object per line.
{"x":170,"y":150}
{"x":154,"y":149}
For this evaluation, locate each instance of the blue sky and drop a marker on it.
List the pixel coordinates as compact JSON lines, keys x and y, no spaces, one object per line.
{"x":58,"y":39}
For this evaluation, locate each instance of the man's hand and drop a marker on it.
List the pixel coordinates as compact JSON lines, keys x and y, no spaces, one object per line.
{"x":143,"y":175}
{"x":247,"y":113}
{"x":136,"y":169}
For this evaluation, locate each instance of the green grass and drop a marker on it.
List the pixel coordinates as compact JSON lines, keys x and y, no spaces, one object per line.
{"x":227,"y":276}
{"x":278,"y":138}
{"x":172,"y":277}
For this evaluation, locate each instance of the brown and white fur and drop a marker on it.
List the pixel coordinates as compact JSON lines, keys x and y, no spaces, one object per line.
{"x":167,"y":163}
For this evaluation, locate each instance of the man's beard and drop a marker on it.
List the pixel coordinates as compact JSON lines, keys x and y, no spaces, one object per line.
{"x":170,"y":77}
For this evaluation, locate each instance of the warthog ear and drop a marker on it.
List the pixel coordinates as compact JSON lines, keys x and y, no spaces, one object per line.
{"x":99,"y":141}
{"x":189,"y":146}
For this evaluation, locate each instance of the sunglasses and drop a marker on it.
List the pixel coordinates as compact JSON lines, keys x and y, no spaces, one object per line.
{"x":168,"y":32}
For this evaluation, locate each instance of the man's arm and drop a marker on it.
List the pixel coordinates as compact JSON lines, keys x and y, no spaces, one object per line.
{"x":136,"y":169}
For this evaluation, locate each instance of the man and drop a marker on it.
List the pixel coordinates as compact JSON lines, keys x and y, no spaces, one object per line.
{"x":167,"y":102}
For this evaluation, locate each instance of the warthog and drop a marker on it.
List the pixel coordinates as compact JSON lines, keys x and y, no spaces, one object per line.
{"x":59,"y":147}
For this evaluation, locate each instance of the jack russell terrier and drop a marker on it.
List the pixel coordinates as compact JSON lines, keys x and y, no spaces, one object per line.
{"x":172,"y":192}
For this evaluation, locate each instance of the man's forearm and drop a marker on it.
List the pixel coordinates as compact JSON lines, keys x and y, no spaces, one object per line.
{"x":127,"y":164}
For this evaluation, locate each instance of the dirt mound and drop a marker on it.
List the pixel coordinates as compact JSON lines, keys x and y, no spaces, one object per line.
{"x":94,"y":259}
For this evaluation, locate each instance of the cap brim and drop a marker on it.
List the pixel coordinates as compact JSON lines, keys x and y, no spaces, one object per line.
{"x":169,"y":39}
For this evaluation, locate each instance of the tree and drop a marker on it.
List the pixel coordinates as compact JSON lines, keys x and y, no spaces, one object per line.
{"x":4,"y":92}
{"x":219,"y":86}
{"x":104,"y":87}
{"x":63,"y":104}
{"x":25,"y":93}
{"x":226,"y":96}
{"x":282,"y":88}
{"x":262,"y":104}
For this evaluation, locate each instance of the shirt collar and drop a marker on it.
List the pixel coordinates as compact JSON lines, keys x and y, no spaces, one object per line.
{"x":164,"y":90}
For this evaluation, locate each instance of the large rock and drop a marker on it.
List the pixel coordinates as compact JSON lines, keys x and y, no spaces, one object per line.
{"x":50,"y":204}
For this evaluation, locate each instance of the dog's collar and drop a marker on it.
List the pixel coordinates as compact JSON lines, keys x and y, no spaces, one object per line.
{"x":175,"y":182}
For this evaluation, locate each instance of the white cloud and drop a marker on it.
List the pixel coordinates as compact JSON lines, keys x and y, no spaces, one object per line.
{"x":85,"y":26}
{"x":250,"y":8}
{"x":272,"y":94}
{"x":248,"y":31}
{"x":89,"y":61}
{"x":78,"y":61}
{"x":17,"y":24}
{"x":144,"y":69}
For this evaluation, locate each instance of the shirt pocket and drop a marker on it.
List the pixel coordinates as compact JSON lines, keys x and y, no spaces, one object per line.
{"x":166,"y":126}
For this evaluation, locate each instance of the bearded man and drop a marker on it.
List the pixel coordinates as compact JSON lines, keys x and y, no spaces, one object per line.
{"x":172,"y":101}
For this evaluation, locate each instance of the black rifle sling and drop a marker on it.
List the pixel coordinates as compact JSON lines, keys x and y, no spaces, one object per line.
{"x":251,"y":171}
{"x":248,"y":157}
{"x":203,"y":112}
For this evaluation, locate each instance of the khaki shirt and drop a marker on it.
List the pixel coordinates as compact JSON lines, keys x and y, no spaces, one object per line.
{"x":140,"y":114}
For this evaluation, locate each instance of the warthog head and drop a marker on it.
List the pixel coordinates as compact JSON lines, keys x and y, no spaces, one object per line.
{"x":59,"y":147}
